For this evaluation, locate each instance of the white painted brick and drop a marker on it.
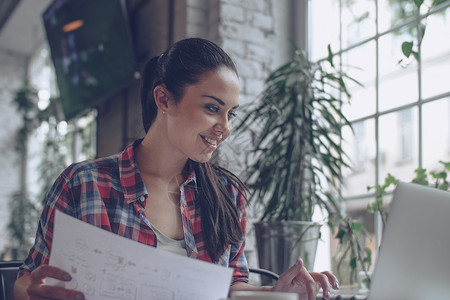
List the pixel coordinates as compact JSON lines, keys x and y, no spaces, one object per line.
{"x":253,"y":87}
{"x":262,"y":21}
{"x":232,"y":13}
{"x":253,"y":5}
{"x":250,"y":69}
{"x":260,"y":53}
{"x":234,"y":47}
{"x":243,"y":33}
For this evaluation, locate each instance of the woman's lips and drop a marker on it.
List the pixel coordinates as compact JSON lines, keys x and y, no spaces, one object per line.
{"x":210,"y":142}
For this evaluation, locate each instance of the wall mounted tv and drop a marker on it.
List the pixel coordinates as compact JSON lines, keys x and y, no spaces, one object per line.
{"x":91,"y":49}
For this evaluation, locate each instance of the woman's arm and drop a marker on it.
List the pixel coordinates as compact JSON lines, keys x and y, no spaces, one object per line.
{"x":240,"y":286}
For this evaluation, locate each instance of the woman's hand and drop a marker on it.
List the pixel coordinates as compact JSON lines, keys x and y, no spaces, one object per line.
{"x":306,"y":284}
{"x":32,"y":286}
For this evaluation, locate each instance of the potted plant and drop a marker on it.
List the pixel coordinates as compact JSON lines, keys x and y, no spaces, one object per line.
{"x":294,"y":165}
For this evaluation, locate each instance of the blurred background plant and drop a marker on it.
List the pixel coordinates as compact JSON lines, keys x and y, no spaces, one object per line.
{"x":44,"y":137}
{"x":404,"y":9}
{"x":435,"y":179}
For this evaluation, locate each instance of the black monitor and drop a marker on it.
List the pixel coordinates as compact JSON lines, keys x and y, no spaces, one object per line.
{"x":91,"y":49}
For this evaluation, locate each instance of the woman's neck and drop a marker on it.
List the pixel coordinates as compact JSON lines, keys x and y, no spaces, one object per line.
{"x":157,"y":159}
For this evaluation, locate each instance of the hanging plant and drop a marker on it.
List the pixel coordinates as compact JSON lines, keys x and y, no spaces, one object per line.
{"x":23,"y":212}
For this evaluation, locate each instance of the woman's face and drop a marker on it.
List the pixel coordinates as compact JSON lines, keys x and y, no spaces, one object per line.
{"x":201,"y":120}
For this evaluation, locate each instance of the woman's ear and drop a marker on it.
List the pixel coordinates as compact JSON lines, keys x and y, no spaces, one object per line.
{"x":162,"y":97}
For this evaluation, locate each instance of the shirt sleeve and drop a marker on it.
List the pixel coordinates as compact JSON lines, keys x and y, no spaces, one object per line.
{"x":238,"y":260}
{"x":59,"y":197}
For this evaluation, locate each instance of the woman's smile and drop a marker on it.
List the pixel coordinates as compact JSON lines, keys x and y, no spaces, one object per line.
{"x":210,"y":142}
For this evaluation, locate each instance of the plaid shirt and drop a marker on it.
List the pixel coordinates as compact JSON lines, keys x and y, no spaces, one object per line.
{"x":109,"y":193}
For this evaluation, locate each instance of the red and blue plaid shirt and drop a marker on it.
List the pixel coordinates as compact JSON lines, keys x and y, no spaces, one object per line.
{"x":109,"y":193}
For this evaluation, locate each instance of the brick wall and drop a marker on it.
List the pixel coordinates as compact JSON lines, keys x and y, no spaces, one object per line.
{"x":254,"y":33}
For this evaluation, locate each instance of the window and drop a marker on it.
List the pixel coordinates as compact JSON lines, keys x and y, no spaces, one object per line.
{"x":405,"y":125}
{"x":401,"y":114}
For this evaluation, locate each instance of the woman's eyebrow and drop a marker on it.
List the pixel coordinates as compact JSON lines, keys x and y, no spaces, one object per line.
{"x":219,"y":100}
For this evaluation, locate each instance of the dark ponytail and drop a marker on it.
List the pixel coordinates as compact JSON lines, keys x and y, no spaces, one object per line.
{"x":148,"y":83}
{"x":184,"y":63}
{"x":219,"y":215}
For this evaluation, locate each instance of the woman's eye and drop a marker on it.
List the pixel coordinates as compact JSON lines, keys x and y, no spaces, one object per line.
{"x":212,"y":108}
{"x":232,"y":114}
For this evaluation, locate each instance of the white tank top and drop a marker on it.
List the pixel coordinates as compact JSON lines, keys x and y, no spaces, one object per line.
{"x":168,"y":244}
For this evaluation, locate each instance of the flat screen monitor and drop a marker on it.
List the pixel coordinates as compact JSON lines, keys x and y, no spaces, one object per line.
{"x":92,"y":51}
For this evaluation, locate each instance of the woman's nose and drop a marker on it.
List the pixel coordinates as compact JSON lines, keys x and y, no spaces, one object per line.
{"x":223,"y":126}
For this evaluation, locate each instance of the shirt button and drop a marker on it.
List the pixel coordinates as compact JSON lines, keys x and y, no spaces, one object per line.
{"x":142,"y":198}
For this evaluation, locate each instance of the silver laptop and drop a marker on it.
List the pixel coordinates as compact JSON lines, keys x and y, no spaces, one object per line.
{"x":414,"y":257}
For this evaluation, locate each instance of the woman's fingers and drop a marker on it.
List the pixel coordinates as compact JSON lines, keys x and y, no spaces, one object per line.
{"x":305,"y":278}
{"x":327,"y":281}
{"x":53,"y":292}
{"x":332,"y":279}
{"x":297,"y":279}
{"x":290,"y":274}
{"x":323,"y":281}
{"x":38,"y":290}
{"x":43,"y":271}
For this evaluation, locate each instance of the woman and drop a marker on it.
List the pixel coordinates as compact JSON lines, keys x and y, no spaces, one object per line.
{"x":162,"y":190}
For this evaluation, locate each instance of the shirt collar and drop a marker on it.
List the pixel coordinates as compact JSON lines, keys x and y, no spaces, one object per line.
{"x":130,"y":177}
{"x":191,"y":177}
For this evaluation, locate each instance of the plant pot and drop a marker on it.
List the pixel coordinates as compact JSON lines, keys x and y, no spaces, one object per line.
{"x":280,"y":243}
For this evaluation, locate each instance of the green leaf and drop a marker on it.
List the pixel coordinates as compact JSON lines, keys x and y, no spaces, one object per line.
{"x":446,"y":165}
{"x":356,"y":226}
{"x":421,"y":176}
{"x":416,"y":55}
{"x":353,"y":263}
{"x":330,"y":55}
{"x":368,"y":254}
{"x":407,"y":48}
{"x":444,"y":187}
{"x":376,"y":206}
{"x":390,"y":180}
{"x":418,"y":3}
{"x":366,"y":282}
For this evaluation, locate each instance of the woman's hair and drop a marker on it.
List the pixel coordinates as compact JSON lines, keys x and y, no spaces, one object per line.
{"x":185,"y":63}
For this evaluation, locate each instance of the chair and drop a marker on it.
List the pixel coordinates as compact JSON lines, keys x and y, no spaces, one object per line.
{"x":8,"y":273}
{"x":260,"y":276}
{"x":265,"y":272}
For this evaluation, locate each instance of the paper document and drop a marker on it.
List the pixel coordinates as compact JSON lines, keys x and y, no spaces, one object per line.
{"x":106,"y":266}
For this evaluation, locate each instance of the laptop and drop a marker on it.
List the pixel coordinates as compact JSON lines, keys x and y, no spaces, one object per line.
{"x":414,"y":257}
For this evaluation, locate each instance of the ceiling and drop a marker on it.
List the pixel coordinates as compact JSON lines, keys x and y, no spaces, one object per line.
{"x":21,"y":27}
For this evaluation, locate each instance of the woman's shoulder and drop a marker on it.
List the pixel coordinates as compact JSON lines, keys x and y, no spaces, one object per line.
{"x":104,"y":165}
